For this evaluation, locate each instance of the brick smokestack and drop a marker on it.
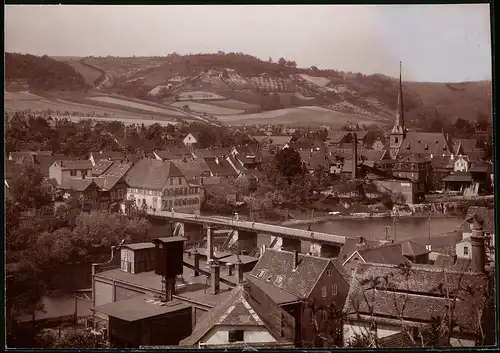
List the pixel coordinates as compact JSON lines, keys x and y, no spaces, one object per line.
{"x":478,"y":250}
{"x":354,"y":155}
{"x":214,"y":278}
{"x":295,"y":259}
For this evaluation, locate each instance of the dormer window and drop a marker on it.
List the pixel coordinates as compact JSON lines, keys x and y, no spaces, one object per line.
{"x":278,"y":280}
{"x":261,"y":273}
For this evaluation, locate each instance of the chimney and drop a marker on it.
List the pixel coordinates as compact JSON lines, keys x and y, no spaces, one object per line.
{"x":239,"y":270}
{"x":361,"y":240}
{"x":354,"y":156}
{"x":196,"y":256}
{"x":210,"y":247}
{"x":214,"y":278}
{"x":169,"y":285}
{"x":295,"y":259}
{"x":478,"y":250}
{"x":230,"y":269}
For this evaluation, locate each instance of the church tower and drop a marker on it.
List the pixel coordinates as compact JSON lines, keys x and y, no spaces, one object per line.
{"x":398,"y":132}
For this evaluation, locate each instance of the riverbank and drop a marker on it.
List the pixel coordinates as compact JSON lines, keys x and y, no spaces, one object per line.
{"x":385,"y":215}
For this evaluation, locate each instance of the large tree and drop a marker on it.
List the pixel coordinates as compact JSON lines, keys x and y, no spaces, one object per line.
{"x":289,"y":164}
{"x":28,"y":190}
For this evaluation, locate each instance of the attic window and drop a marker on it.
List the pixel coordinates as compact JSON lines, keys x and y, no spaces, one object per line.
{"x":278,"y":280}
{"x":437,"y":141}
{"x":235,"y":336}
{"x":261,"y":273}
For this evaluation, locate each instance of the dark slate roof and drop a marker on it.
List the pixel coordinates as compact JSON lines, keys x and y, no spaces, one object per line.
{"x":467,"y":145}
{"x":106,"y":182}
{"x":315,"y":160}
{"x":118,"y":169}
{"x":192,"y":169}
{"x":138,"y":246}
{"x":174,"y":153}
{"x":139,"y":308}
{"x":212,"y":153}
{"x":378,"y":292}
{"x":101,"y":166}
{"x":337,"y":136}
{"x":76,"y":164}
{"x":384,"y":254}
{"x":300,"y":281}
{"x":76,"y":184}
{"x":151,"y":174}
{"x":352,"y":244}
{"x":223,"y":168}
{"x":416,"y":142}
{"x":458,"y":177}
{"x":484,"y":215}
{"x":246,"y":305}
{"x":441,"y":162}
{"x":413,"y":249}
{"x":481,"y":167}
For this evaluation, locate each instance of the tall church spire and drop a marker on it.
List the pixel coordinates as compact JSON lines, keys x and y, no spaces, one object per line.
{"x":400,"y":115}
{"x":398,"y":133}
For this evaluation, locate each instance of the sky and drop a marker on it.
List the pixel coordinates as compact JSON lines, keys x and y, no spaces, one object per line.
{"x":435,"y":43}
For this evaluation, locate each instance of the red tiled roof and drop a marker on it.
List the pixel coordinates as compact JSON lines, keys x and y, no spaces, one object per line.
{"x":118,"y":169}
{"x":76,"y":184}
{"x":101,"y":166}
{"x":353,"y":244}
{"x":174,"y":153}
{"x":299,"y":281}
{"x":192,"y":169}
{"x":385,"y":254}
{"x":246,"y":305}
{"x":425,"y":143}
{"x":212,"y":153}
{"x":151,"y":174}
{"x":106,"y":182}
{"x":413,"y":249}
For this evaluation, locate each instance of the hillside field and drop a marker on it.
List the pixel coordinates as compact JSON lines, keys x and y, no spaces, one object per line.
{"x":309,"y":116}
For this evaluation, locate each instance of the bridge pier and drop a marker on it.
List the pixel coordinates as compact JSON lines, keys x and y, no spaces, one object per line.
{"x":289,"y":244}
{"x":324,"y":250}
{"x":193,"y":232}
{"x":245,"y":241}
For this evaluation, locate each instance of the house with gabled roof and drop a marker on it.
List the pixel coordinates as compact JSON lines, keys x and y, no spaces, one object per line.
{"x":384,"y":300}
{"x":118,"y":169}
{"x":160,"y":185}
{"x":247,"y":156}
{"x":191,"y":139}
{"x":247,"y":316}
{"x":173,"y":153}
{"x":95,"y":157}
{"x":389,"y":253}
{"x":308,"y":287}
{"x":70,"y":169}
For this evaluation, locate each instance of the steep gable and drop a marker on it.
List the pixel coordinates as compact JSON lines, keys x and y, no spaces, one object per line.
{"x":246,"y":305}
{"x":151,"y":174}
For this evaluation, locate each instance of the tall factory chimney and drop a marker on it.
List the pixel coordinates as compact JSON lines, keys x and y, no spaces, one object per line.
{"x":354,"y":156}
{"x":478,"y":250}
{"x":210,"y":246}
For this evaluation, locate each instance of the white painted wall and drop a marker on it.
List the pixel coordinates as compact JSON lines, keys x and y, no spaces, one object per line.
{"x":460,"y":250}
{"x":351,"y":329}
{"x":220,"y":335}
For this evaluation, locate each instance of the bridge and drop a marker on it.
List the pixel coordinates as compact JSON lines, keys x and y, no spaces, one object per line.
{"x":323,"y":244}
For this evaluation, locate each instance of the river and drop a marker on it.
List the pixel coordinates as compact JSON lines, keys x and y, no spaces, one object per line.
{"x":375,"y":228}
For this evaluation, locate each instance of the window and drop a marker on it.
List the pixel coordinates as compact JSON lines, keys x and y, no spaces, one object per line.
{"x":171,"y":181}
{"x":143,"y":201}
{"x":312,"y":317}
{"x":334,"y":289}
{"x":466,"y":250}
{"x":72,"y":172}
{"x":236,"y":336}
{"x":328,"y":272}
{"x":323,"y":291}
{"x":180,"y":181}
{"x":84,"y":172}
{"x":325,"y":315}
{"x":261,"y":273}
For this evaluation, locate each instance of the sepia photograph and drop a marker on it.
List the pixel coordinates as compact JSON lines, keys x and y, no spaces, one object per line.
{"x":249,"y":177}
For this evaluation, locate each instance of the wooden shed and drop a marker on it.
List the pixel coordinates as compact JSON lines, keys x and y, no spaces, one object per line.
{"x":138,"y":257}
